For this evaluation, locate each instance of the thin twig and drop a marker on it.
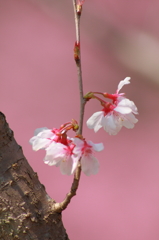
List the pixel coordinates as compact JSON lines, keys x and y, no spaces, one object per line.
{"x":79,"y":68}
{"x":59,"y":207}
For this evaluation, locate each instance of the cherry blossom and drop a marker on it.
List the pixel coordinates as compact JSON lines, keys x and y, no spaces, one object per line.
{"x":60,"y":155}
{"x":85,"y":149}
{"x":65,"y":152}
{"x":59,"y":149}
{"x":115,"y":115}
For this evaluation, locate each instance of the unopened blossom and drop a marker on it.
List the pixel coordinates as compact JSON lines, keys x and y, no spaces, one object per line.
{"x":85,"y":149}
{"x":79,"y":6}
{"x":115,"y":115}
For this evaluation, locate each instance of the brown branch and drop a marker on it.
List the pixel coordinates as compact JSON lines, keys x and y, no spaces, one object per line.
{"x":25,"y":208}
{"x":58,"y":207}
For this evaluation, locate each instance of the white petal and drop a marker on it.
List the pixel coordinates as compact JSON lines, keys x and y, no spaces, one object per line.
{"x":52,"y":161}
{"x":95,"y":121}
{"x":133,"y":107}
{"x":66,"y":166}
{"x":125,"y":106}
{"x":38,"y":130}
{"x":42,"y":138}
{"x":56,"y":149}
{"x":46,"y":134}
{"x":96,"y":146}
{"x":129,"y":120}
{"x":123,"y":110}
{"x":39,"y":143}
{"x":111,"y":124}
{"x":75,"y":159}
{"x":77,"y":151}
{"x":127,"y":103}
{"x":31,"y":141}
{"x":122,"y":83}
{"x":78,"y":142}
{"x":54,"y":154}
{"x":90,"y":165}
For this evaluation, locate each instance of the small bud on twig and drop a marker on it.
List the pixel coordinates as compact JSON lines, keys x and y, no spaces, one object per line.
{"x":77,"y":52}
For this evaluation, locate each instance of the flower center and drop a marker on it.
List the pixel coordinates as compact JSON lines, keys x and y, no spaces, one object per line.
{"x":109,"y":107}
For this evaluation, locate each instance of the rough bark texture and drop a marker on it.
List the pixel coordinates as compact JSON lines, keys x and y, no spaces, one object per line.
{"x":26,"y":210}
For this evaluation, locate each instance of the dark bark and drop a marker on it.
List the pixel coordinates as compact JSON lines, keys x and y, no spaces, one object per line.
{"x":26,"y":210}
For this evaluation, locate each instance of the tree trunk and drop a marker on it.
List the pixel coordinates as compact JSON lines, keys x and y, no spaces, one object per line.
{"x":26,"y":210}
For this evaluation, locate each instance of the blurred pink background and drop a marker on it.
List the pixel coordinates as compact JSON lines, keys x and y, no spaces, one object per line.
{"x":39,"y":89}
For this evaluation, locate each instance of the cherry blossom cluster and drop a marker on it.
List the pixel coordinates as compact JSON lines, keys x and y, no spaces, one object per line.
{"x":114,"y":115}
{"x":66,"y":153}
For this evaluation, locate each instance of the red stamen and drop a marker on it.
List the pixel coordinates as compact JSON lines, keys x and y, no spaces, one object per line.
{"x":108,"y":108}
